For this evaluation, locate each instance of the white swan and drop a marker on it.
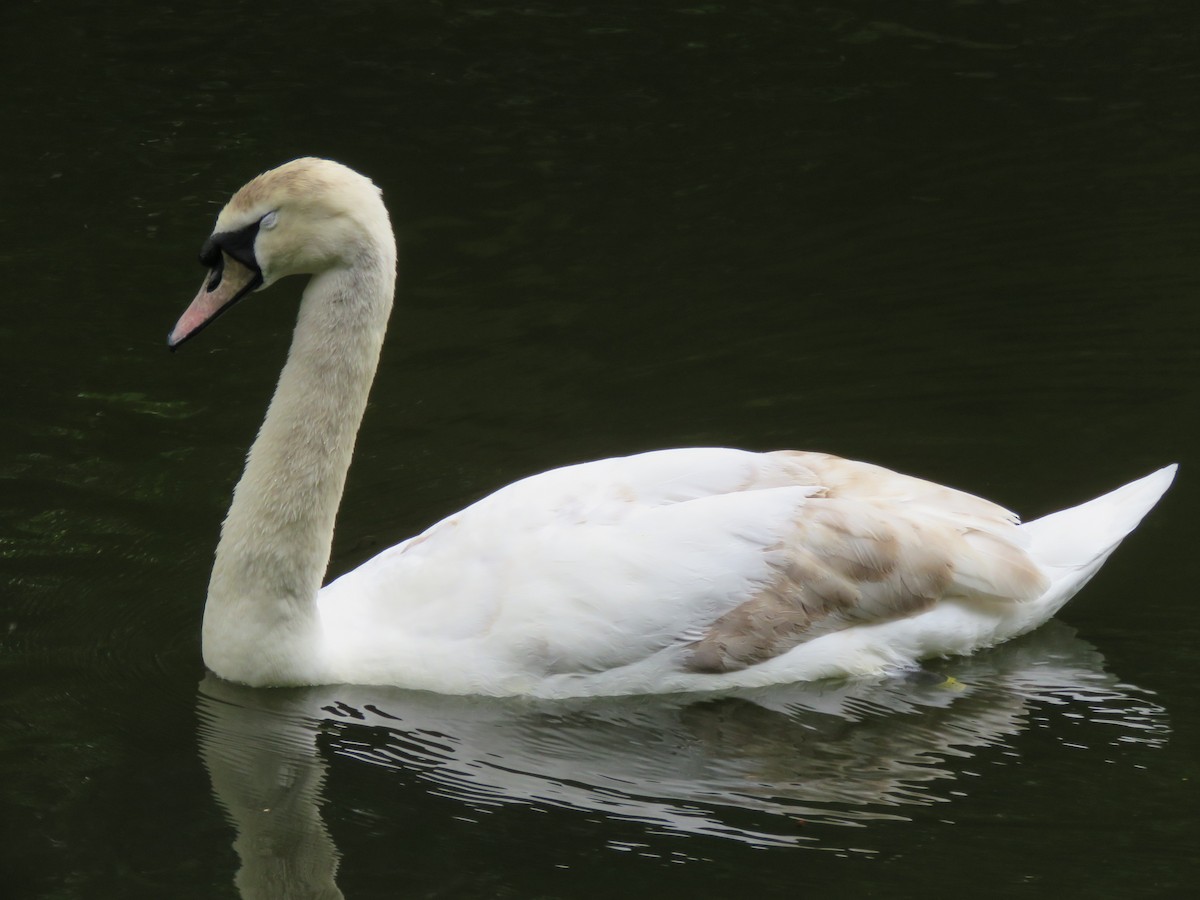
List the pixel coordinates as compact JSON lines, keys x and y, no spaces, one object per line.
{"x":677,"y":570}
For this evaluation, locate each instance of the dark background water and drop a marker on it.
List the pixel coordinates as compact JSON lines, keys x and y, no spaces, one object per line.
{"x":956,"y":238}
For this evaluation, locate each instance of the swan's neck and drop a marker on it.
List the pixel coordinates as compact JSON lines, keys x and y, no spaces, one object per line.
{"x":261,"y":623}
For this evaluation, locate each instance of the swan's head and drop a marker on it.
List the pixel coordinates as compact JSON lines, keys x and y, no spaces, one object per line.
{"x":303,"y":218}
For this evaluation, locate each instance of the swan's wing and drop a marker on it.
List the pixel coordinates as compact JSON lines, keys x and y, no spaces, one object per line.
{"x":718,"y":558}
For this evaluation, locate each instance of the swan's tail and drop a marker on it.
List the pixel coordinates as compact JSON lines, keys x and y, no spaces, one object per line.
{"x":1071,"y":545}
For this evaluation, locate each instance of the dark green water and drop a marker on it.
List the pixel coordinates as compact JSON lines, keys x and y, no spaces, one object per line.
{"x":957,"y":238}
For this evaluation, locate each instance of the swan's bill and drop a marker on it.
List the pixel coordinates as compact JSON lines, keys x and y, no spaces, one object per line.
{"x":228,"y":281}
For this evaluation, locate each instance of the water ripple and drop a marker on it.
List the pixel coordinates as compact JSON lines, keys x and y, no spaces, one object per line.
{"x":794,"y":765}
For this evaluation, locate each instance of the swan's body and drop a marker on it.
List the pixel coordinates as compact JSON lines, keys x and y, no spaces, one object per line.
{"x":677,"y":570}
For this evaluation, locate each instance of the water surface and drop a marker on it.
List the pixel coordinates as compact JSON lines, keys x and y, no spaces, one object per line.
{"x":955,"y":238}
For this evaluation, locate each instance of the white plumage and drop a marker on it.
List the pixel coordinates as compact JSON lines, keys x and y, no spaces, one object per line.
{"x":678,"y":570}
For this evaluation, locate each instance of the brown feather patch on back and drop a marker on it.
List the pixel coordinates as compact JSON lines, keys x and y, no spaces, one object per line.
{"x":871,"y":546}
{"x":840,"y":567}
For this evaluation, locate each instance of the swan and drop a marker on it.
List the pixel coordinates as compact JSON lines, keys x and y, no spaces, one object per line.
{"x":679,"y":570}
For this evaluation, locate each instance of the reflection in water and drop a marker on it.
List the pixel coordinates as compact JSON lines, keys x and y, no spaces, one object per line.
{"x":792,"y":756}
{"x":265,"y":771}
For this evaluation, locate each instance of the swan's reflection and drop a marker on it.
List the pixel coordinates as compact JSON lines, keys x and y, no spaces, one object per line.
{"x":832,"y":753}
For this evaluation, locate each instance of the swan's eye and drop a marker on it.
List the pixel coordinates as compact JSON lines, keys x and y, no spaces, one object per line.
{"x":268,"y":221}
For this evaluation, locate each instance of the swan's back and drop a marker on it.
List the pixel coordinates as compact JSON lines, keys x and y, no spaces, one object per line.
{"x":679,"y":569}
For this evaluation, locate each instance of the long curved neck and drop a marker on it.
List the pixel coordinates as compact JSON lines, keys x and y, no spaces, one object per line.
{"x":260,"y":621}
